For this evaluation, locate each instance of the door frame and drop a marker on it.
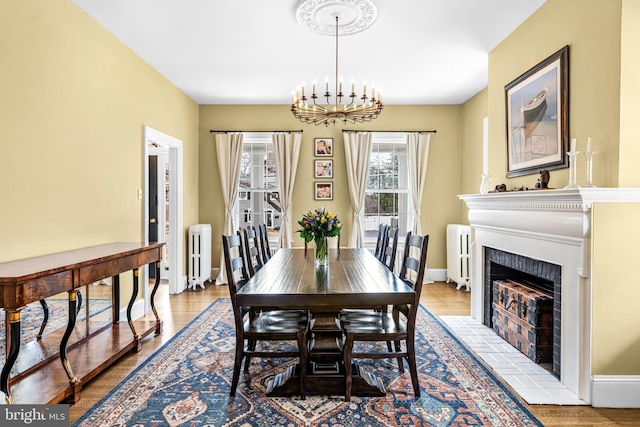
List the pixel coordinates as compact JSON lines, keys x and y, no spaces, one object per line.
{"x":177,"y":282}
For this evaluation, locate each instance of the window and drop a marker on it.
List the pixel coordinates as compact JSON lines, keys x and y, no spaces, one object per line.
{"x":259,"y":194}
{"x":387,"y":199}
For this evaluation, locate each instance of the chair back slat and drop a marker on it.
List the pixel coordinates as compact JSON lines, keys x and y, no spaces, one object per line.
{"x":233,"y":249}
{"x":390,"y":248}
{"x":264,"y":243}
{"x":380,"y":241}
{"x":414,"y":262}
{"x":252,"y":250}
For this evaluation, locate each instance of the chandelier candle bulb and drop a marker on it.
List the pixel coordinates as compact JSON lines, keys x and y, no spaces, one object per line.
{"x":589,"y":145}
{"x":573,"y":141}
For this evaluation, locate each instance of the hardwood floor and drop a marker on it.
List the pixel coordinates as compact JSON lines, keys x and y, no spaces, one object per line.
{"x":439,"y":298}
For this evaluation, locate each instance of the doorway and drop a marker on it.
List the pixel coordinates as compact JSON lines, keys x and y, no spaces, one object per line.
{"x":164,"y":154}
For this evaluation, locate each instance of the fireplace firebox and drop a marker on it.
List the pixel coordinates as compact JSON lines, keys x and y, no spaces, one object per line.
{"x":501,"y":265}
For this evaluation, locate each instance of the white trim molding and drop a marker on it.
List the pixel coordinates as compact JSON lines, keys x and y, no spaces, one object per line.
{"x":615,"y":391}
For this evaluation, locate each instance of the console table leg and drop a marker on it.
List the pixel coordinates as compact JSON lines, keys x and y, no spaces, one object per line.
{"x":153,"y":301}
{"x":45,"y":312}
{"x":14,"y":348}
{"x":134,"y":294}
{"x":73,"y":313}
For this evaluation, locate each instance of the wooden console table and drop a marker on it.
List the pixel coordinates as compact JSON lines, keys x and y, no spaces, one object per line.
{"x":34,"y":279}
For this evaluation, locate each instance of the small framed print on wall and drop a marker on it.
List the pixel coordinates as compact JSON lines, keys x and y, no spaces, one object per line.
{"x":323,"y":168}
{"x":323,"y":190}
{"x":324,"y":147}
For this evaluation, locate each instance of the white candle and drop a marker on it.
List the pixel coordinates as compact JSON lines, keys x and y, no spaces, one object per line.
{"x":485,"y":146}
{"x":573,"y":145}
{"x":589,"y":145}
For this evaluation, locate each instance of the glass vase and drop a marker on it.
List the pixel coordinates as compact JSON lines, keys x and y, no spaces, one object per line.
{"x":321,"y":251}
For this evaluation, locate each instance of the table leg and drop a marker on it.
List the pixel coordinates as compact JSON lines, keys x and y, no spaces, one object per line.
{"x":73,"y":313}
{"x":115,"y":298}
{"x":13,"y":317}
{"x":134,"y":294}
{"x":45,"y":312}
{"x":153,"y":302}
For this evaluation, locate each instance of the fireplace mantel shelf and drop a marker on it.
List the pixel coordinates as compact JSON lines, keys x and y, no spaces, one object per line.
{"x":558,"y":213}
{"x":563,"y":199}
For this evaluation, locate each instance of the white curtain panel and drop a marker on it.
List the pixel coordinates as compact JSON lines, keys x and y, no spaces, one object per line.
{"x":286,"y":147}
{"x":417,"y":159}
{"x":357,"y":151}
{"x":229,"y":151}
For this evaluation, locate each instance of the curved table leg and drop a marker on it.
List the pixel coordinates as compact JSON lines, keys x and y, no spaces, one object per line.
{"x":73,"y":313}
{"x":14,"y":348}
{"x":79,"y":300}
{"x":153,"y":302}
{"x":45,"y":312}
{"x":134,"y":294}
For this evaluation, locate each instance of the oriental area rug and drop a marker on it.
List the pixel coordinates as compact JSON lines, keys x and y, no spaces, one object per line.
{"x":186,"y":383}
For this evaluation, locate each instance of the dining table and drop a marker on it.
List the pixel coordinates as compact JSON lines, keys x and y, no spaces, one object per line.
{"x":353,"y":279}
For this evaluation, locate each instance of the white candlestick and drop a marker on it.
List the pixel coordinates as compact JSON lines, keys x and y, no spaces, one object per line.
{"x":573,"y":145}
{"x":589,"y":145}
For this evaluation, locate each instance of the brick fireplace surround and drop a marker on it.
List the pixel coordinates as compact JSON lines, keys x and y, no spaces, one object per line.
{"x":552,"y":226}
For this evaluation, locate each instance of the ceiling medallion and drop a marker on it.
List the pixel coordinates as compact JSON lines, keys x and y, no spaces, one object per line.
{"x":340,"y":106}
{"x":318,"y":16}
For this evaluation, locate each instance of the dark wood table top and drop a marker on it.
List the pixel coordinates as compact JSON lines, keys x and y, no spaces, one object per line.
{"x":354,"y":278}
{"x":30,"y":268}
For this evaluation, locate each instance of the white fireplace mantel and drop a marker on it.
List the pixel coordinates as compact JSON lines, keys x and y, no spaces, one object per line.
{"x":552,"y":226}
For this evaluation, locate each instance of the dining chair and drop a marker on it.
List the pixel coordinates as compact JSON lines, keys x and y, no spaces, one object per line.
{"x":253,"y":326}
{"x":380,"y":241}
{"x":397,"y":326}
{"x":390,"y":248}
{"x":252,"y":250}
{"x":264,"y":243}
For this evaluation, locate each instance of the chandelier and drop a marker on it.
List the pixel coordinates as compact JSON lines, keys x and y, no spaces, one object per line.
{"x":323,"y":107}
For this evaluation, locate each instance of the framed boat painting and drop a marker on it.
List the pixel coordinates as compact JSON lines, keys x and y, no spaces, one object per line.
{"x":537,"y":107}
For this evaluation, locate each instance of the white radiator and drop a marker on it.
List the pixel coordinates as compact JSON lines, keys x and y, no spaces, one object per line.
{"x":199,"y":255}
{"x":458,"y":255}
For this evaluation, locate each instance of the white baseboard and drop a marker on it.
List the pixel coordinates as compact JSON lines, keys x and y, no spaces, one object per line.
{"x":437,"y":274}
{"x":615,"y":391}
{"x":137,"y":311}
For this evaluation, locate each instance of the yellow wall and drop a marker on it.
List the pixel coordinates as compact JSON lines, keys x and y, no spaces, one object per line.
{"x":473,"y":113}
{"x":592,"y":31}
{"x":73,"y":103}
{"x":629,"y":94}
{"x":440,"y":205}
{"x":616,"y":337}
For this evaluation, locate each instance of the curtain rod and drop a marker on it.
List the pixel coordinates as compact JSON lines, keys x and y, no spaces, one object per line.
{"x":257,"y":131}
{"x":394,"y":131}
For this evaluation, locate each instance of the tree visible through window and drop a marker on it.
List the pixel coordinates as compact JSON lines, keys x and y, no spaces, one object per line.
{"x":387,"y":194}
{"x":259,"y":194}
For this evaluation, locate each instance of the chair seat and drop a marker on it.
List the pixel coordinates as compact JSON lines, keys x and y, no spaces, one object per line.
{"x":277,"y":322}
{"x":373,"y":326}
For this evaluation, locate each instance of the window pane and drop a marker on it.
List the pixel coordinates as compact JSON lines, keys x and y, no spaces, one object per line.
{"x":258,"y":197}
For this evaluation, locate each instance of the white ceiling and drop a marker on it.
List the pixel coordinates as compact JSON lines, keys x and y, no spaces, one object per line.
{"x":255,"y":52}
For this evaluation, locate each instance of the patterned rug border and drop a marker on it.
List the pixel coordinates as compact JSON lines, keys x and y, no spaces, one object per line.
{"x":468,"y":352}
